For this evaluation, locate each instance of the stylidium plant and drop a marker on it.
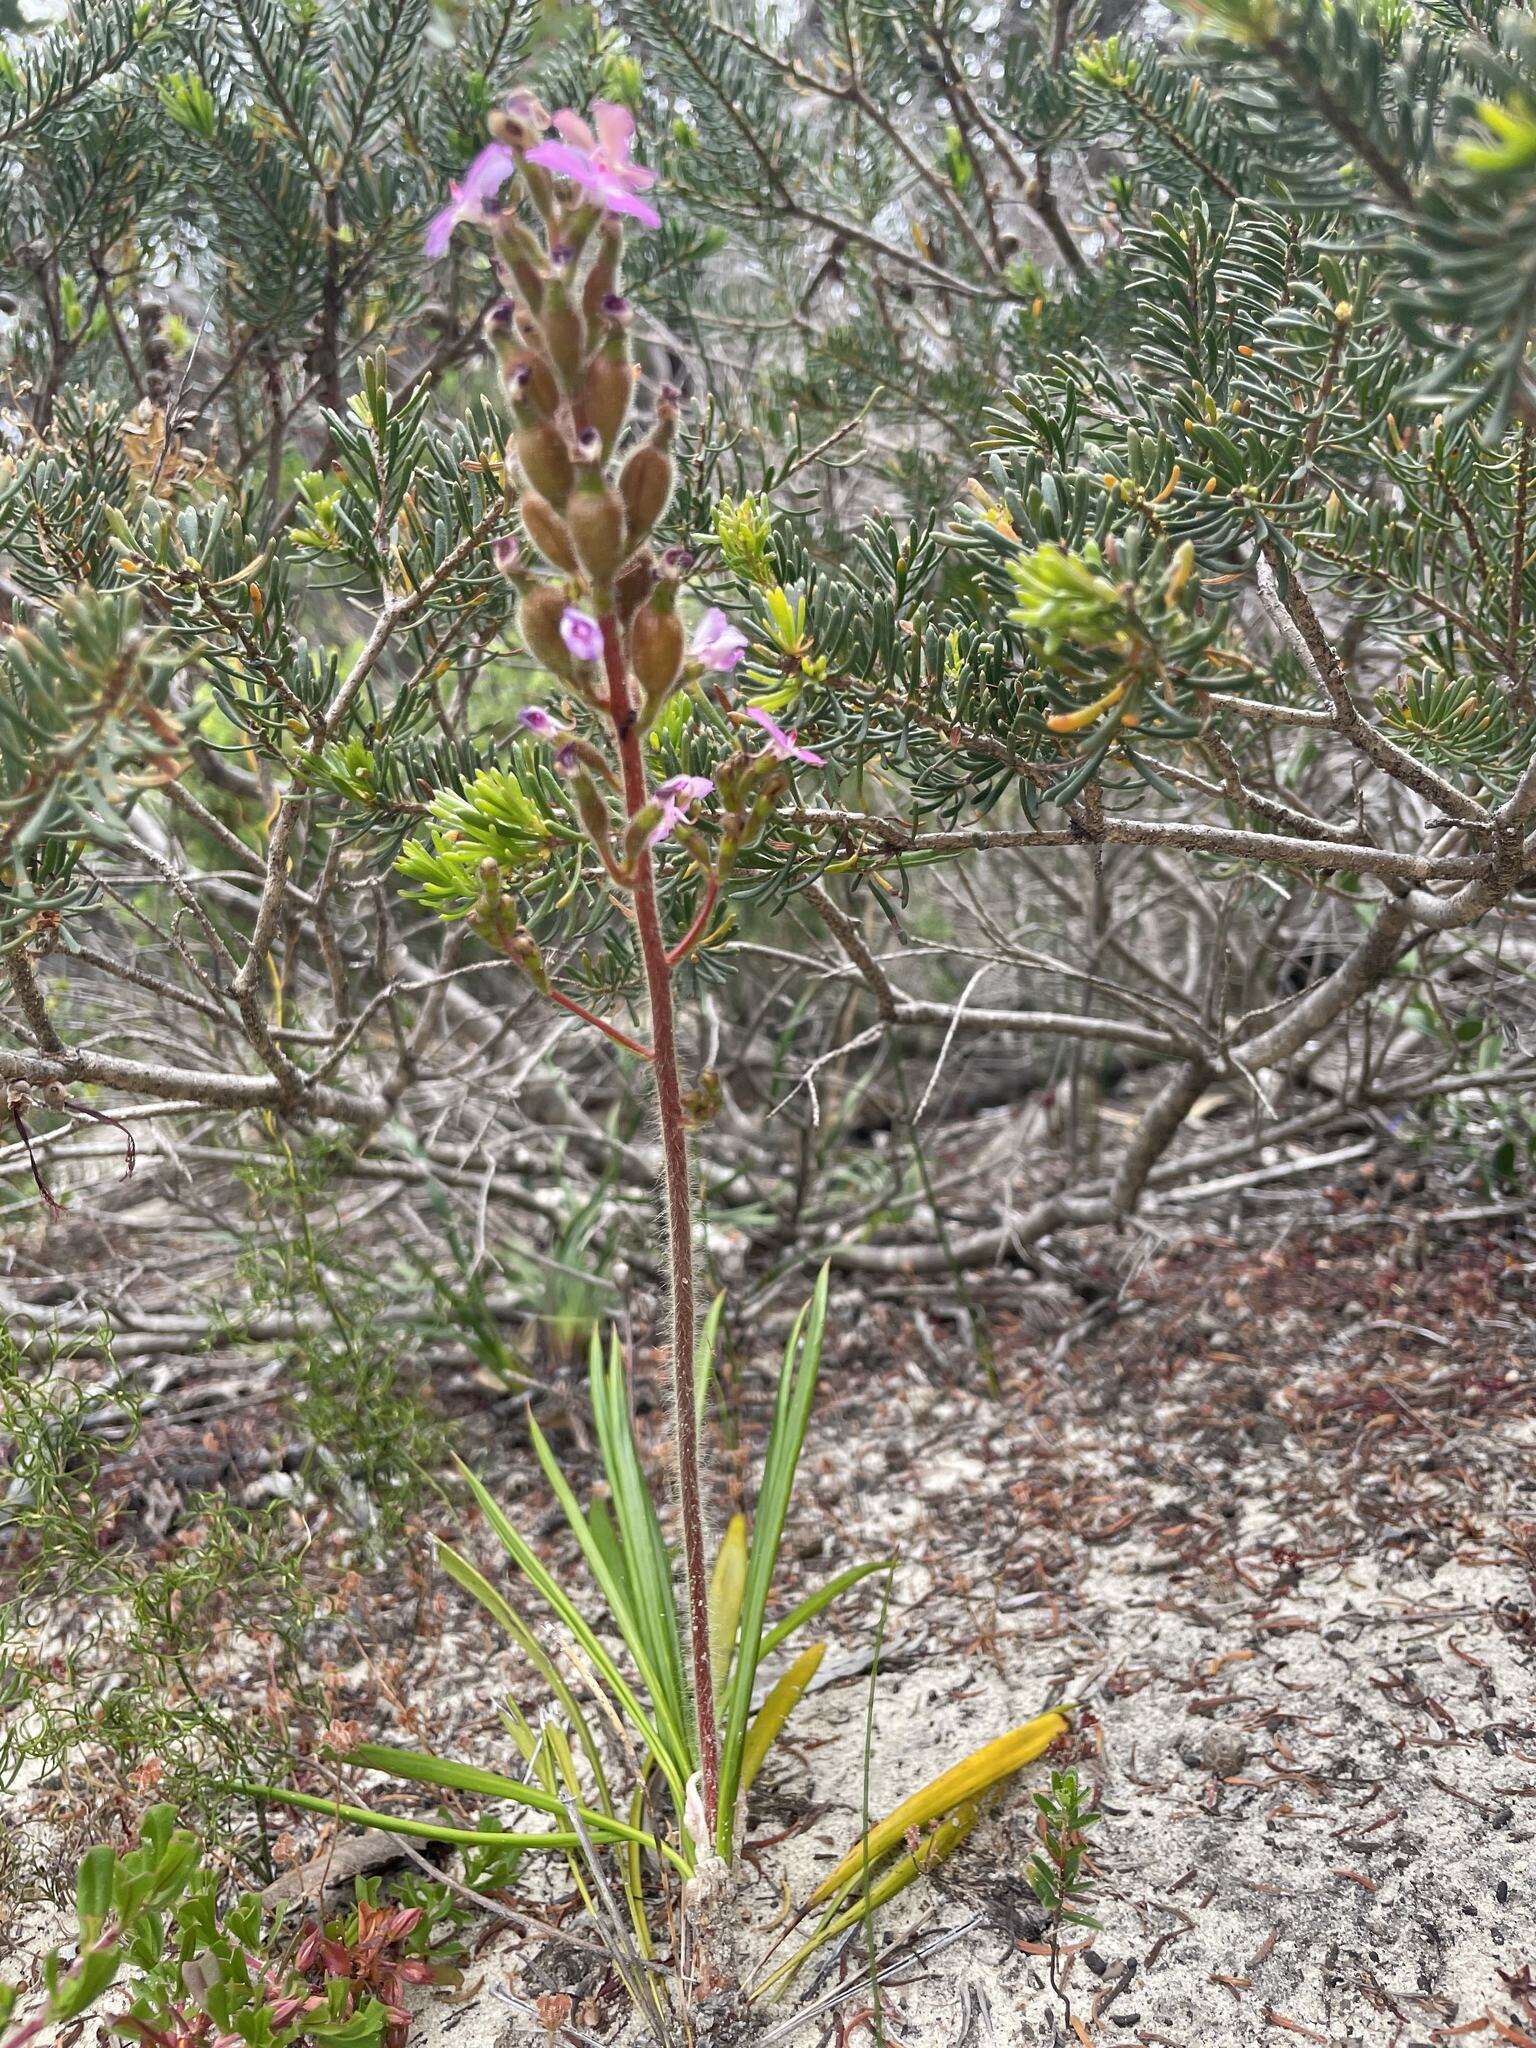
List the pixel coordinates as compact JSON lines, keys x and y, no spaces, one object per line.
{"x":600,"y":610}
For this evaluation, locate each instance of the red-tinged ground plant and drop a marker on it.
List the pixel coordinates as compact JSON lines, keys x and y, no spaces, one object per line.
{"x":199,"y":1969}
{"x":619,"y":820}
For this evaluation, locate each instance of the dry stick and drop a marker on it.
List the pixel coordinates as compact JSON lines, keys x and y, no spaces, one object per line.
{"x":679,"y":1205}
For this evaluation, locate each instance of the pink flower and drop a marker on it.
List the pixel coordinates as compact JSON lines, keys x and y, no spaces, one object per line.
{"x":675,"y":796}
{"x":472,"y":196}
{"x":535,"y":719}
{"x":717,"y":643}
{"x":582,"y":635}
{"x":782,"y":743}
{"x":600,"y":163}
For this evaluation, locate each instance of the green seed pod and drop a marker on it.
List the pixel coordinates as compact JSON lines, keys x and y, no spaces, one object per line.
{"x":576,"y":225}
{"x":522,"y":256}
{"x":593,"y":813}
{"x":548,"y":532}
{"x":595,"y":517}
{"x":638,"y":835}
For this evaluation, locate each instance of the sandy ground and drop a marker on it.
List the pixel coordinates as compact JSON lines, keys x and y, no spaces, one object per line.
{"x":1273,"y":1528}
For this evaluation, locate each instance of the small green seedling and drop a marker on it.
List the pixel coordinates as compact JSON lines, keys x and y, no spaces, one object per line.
{"x":1056,"y":1874}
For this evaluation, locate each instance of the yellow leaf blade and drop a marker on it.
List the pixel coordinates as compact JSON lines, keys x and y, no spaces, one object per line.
{"x":727,"y":1586}
{"x":962,"y":1782}
{"x":776,"y":1709}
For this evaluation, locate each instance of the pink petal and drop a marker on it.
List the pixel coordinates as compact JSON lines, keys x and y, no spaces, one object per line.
{"x":440,"y":231}
{"x":576,"y":132}
{"x":682,"y":789}
{"x":777,"y":736}
{"x":618,"y":200}
{"x":486,"y":175}
{"x":566,"y":161}
{"x":615,"y":131}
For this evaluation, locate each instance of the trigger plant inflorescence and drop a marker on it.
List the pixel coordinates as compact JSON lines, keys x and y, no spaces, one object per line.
{"x":635,"y":784}
{"x":599,"y":610}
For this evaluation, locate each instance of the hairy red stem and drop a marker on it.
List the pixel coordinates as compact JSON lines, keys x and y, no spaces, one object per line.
{"x":608,"y":1030}
{"x":678,"y":1189}
{"x":695,"y":931}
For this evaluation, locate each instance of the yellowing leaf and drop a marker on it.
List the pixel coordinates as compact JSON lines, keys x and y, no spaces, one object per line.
{"x":776,"y":1709}
{"x":962,"y":1782}
{"x":932,"y":1849}
{"x":1075,"y":721}
{"x":725,"y":1591}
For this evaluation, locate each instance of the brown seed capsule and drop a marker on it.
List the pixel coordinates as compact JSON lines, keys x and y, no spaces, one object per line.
{"x":565,"y":334}
{"x":546,"y":462}
{"x":603,"y":278}
{"x":635,"y":585}
{"x":607,"y":389}
{"x":592,"y":811}
{"x":645,"y":485}
{"x":656,"y":647}
{"x":531,"y":386}
{"x":539,"y":615}
{"x":548,"y":532}
{"x":595,"y":516}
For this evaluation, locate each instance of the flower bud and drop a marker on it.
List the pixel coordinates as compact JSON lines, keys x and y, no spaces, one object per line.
{"x":522,"y":948}
{"x":595,"y":517}
{"x":501,"y":333}
{"x":702,"y":1103}
{"x":548,"y":531}
{"x":521,"y":122}
{"x":508,"y":557}
{"x":539,"y":615}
